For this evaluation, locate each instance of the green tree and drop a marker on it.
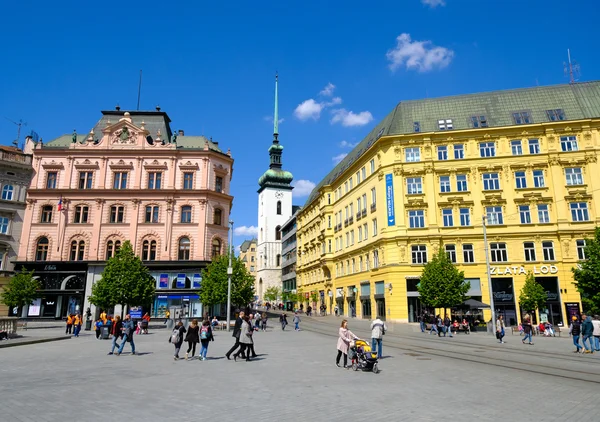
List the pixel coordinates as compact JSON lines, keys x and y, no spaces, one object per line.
{"x":272,"y":294}
{"x":441,"y":284}
{"x":532,"y":296}
{"x":125,"y":281}
{"x":587,"y":275}
{"x":314,"y":297}
{"x":21,"y":290}
{"x":213,"y":290}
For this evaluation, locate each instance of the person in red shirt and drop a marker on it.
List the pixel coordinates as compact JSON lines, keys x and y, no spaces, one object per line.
{"x":145,"y":322}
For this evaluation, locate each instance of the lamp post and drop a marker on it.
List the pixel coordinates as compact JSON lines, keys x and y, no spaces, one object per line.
{"x":229,"y":273}
{"x":489,"y":275}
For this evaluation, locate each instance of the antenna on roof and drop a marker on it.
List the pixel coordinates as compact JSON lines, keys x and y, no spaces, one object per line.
{"x":571,"y":69}
{"x":18,"y":124}
{"x":139,"y":90}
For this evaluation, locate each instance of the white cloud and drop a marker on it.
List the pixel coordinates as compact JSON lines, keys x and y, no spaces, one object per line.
{"x":346,"y":144}
{"x":334,"y":101}
{"x":419,"y":55}
{"x":246,"y":231}
{"x":309,"y":109}
{"x":338,"y":158}
{"x":302,"y":188}
{"x":270,"y":119}
{"x":328,"y":90}
{"x":434,"y":3}
{"x":349,"y":118}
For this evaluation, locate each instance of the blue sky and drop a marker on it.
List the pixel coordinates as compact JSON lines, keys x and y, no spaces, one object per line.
{"x":211,"y":68}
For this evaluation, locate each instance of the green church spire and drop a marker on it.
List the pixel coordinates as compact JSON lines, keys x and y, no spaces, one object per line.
{"x":276,"y":115}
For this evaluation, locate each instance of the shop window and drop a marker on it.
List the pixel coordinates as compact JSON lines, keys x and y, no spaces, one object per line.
{"x":186,"y":214}
{"x":216,"y":248}
{"x":184,"y":249}
{"x":149,"y":250}
{"x":46,"y":214}
{"x":112,"y":247}
{"x":41,"y":253}
{"x":77,"y":250}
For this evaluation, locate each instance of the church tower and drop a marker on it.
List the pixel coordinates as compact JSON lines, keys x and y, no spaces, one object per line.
{"x":274,"y":209}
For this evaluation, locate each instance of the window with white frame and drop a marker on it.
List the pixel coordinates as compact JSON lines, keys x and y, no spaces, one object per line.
{"x":579,"y":211}
{"x":538,"y":179}
{"x":81,"y":214}
{"x":520,"y":180}
{"x":364,"y":203}
{"x":360,"y":233}
{"x":516,"y":147}
{"x":498,"y":252}
{"x":351,"y":183}
{"x":543,"y":213}
{"x":416,"y":219}
{"x":445,"y":124}
{"x":442,"y":153}
{"x":375,"y":258}
{"x":358,"y":177}
{"x":451,"y":252}
{"x":581,"y":249}
{"x":494,"y":216}
{"x":465,"y":217}
{"x":372,"y":165}
{"x":151,"y":214}
{"x":525,"y":214}
{"x":487,"y":149}
{"x":459,"y":151}
{"x":413,"y":154}
{"x":468,"y":254}
{"x":373,"y":199}
{"x":574,"y":176}
{"x":154,"y":180}
{"x":491,"y":181}
{"x":447,"y":217}
{"x":419,"y":254}
{"x":367,"y":262}
{"x":534,"y":146}
{"x":444,"y":184}
{"x":461,"y":183}
{"x":548,"y":250}
{"x":363,"y":172}
{"x":366,"y":230}
{"x":374,"y":227}
{"x":568,"y":143}
{"x":414,"y":185}
{"x":120,"y":180}
{"x":85,"y":179}
{"x":4,"y":223}
{"x":529,"y":251}
{"x":8,"y":192}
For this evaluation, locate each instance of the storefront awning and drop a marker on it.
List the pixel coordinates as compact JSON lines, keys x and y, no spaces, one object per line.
{"x":475,"y":304}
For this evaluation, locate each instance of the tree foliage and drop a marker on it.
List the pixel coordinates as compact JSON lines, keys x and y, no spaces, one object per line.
{"x":125,"y":281}
{"x":272,"y":294}
{"x":21,"y":290}
{"x":213,"y":290}
{"x":441,"y":284}
{"x":314,"y":296}
{"x":532,"y":296}
{"x":587,"y":275}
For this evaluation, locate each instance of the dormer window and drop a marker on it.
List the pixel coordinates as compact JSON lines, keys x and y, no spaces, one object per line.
{"x":479,"y":121}
{"x":555,"y":115}
{"x":417,"y":127}
{"x":445,"y":124}
{"x":522,"y":118}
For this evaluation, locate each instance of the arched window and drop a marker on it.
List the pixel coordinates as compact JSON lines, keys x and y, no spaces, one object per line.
{"x":278,"y":233}
{"x":186,"y":214}
{"x":149,"y":250}
{"x":184,"y":249}
{"x":77,"y":250}
{"x":278,"y":207}
{"x":46,"y":216}
{"x":216,"y":248}
{"x":7,"y":192}
{"x":41,"y":253}
{"x":218,"y":216}
{"x":112,"y":247}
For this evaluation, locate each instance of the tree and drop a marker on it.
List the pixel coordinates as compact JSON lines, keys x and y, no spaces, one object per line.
{"x":441,"y":284}
{"x":532,"y":296}
{"x":213,"y":290}
{"x":125,"y":281}
{"x":587,"y":275}
{"x":21,"y":290}
{"x":272,"y":294}
{"x":314,"y":297}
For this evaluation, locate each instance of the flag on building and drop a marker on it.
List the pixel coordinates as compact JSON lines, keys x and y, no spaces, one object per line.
{"x":59,"y":207}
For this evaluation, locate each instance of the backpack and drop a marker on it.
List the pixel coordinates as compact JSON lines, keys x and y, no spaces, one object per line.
{"x":175,"y":336}
{"x":204,"y":333}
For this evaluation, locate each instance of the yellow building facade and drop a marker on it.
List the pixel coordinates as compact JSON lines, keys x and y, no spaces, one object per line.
{"x":248,"y":255}
{"x":422,"y":182}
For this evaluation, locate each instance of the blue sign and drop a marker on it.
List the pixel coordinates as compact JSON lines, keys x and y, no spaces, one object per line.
{"x":135,"y":313}
{"x":197,"y":280}
{"x":164,"y":281}
{"x":181,"y":281}
{"x":389,"y":200}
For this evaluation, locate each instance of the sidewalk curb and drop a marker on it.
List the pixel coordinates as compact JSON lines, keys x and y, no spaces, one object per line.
{"x":9,"y":343}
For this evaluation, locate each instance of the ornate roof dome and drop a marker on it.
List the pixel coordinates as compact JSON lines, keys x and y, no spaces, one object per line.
{"x":275,"y":177}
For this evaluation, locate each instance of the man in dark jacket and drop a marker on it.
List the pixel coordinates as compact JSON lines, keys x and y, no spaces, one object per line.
{"x":587,"y":331}
{"x":236,"y":334}
{"x":575,"y":331}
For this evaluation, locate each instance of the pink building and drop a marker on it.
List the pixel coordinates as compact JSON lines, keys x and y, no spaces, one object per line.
{"x":129,"y":178}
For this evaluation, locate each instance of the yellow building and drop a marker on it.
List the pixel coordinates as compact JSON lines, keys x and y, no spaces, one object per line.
{"x":424,"y":178}
{"x":248,"y":255}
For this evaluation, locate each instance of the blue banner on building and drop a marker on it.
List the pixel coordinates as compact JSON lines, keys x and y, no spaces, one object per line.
{"x":135,"y":312}
{"x":197,"y":281}
{"x":389,"y":199}
{"x":164,"y":281}
{"x":181,"y":281}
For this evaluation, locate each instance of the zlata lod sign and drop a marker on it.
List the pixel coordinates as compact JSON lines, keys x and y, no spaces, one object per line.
{"x":517,"y":270}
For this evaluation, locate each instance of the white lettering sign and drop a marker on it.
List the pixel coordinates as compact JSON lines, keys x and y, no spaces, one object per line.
{"x":518,"y":270}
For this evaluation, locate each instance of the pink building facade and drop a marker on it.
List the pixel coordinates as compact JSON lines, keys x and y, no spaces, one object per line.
{"x":130,"y":178}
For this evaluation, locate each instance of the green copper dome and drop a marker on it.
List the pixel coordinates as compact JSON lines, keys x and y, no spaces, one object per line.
{"x":275,"y":147}
{"x":276,"y":177}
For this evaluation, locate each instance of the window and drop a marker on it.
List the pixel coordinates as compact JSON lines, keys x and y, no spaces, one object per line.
{"x":534,"y":146}
{"x":375,"y":259}
{"x":461,"y":183}
{"x":478,"y":121}
{"x":419,"y":254}
{"x":487,"y":149}
{"x":445,"y":124}
{"x":329,"y":246}
{"x":81,"y":214}
{"x":120,"y":180}
{"x":555,"y":115}
{"x":366,"y":230}
{"x":417,"y":127}
{"x":351,"y":183}
{"x":516,"y":147}
{"x":520,"y":179}
{"x":498,"y":252}
{"x":522,"y":118}
{"x":358,"y":177}
{"x":548,"y":249}
{"x":529,"y":251}
{"x":444,"y":184}
{"x":41,"y":253}
{"x":447,"y":217}
{"x":524,"y":214}
{"x":85,"y":179}
{"x":278,"y":260}
{"x":372,"y":165}
{"x":278,"y":233}
{"x":278,"y":207}
{"x":538,"y":179}
{"x":581,"y":249}
{"x":154,"y":180}
{"x":51,"y":179}
{"x":568,"y":143}
{"x":112,"y":247}
{"x":491,"y":181}
{"x":7,"y":192}
{"x":363,"y":172}
{"x":412,"y":154}
{"x":186,"y":214}
{"x":468,"y":254}
{"x":416,"y":219}
{"x":465,"y":217}
{"x":188,"y":180}
{"x":4,"y":225}
{"x":494,"y":215}
{"x":414,"y":185}
{"x":442,"y":153}
{"x":451,"y":252}
{"x":367,"y":262}
{"x":579,"y":211}
{"x":459,"y":151}
{"x":219,"y":184}
{"x":375,"y":227}
{"x":149,"y":250}
{"x":77,"y":250}
{"x":574,"y":176}
{"x":543,"y":214}
{"x":352,"y":237}
{"x":373,"y":200}
{"x":184,"y":249}
{"x":46,"y":214}
{"x":218,"y":217}
{"x":151,"y":214}
{"x":360,"y":234}
{"x":116,"y":213}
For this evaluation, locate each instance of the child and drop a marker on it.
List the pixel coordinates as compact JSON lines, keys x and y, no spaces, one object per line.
{"x":206,"y":335}
{"x":98,"y":328}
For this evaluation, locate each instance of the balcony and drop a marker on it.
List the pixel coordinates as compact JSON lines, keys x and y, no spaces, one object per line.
{"x":346,"y":223}
{"x":15,"y":157}
{"x":358,"y":216}
{"x":339,"y":227}
{"x":373,"y":207}
{"x":364,"y":212}
{"x":351,"y":220}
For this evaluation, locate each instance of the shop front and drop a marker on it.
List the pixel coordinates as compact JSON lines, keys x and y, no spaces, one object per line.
{"x":339,"y":300}
{"x":552,"y":312}
{"x":504,"y":299}
{"x":380,"y":300}
{"x":365,"y":299}
{"x":415,"y":307}
{"x":177,"y":292}
{"x":351,"y":298}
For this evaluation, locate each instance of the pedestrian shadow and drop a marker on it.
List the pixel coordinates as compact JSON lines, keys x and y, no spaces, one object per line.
{"x":387,"y":357}
{"x":142,"y":353}
{"x":215,"y":358}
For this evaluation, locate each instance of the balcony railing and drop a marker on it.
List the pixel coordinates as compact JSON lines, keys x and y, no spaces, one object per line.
{"x":15,"y":157}
{"x":346,"y":223}
{"x":364,"y":212}
{"x":373,"y":207}
{"x":351,"y":220}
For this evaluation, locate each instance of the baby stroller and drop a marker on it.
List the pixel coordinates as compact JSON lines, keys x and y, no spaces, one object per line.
{"x":362,"y":357}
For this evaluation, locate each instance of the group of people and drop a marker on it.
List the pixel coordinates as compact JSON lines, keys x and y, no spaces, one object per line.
{"x":444,"y":325}
{"x":122,"y":330}
{"x":283,"y":321}
{"x":588,"y":331}
{"x":193,"y":335}
{"x":347,"y":337}
{"x":74,"y":323}
{"x":243,"y":332}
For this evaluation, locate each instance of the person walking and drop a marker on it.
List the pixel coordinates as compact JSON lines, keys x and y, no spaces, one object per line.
{"x":77,"y":325}
{"x":177,"y":337}
{"x":192,"y":337}
{"x":283,"y":321}
{"x":69,"y":328}
{"x":206,"y":336}
{"x":575,"y":331}
{"x":378,"y":329}
{"x":500,"y":326}
{"x":245,"y":339}
{"x":527,"y":329}
{"x":236,"y":334}
{"x":587,"y":332}
{"x":116,"y":333}
{"x":167,"y":316}
{"x":103,"y":317}
{"x":296,"y":321}
{"x":447,"y":325}
{"x":343,"y":343}
{"x":596,"y":333}
{"x":263,"y":321}
{"x":421,"y":319}
{"x":127,"y":329}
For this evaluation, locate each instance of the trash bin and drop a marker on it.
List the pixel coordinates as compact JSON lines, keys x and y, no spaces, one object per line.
{"x":105,"y":332}
{"x":88,"y":325}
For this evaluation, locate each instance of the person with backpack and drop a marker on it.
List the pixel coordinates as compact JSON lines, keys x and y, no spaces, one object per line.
{"x":176,"y":338}
{"x":378,"y":329}
{"x":116,"y":334}
{"x":127,"y":329}
{"x":575,"y":331}
{"x":192,"y":338}
{"x":206,"y":336}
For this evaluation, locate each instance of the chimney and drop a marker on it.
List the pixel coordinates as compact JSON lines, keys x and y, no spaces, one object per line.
{"x":181,"y":132}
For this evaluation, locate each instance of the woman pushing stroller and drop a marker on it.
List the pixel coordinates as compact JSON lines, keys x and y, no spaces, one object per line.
{"x":343,"y":343}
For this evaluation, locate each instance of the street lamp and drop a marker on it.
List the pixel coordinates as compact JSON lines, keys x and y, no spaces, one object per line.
{"x":229,"y":273}
{"x":489,"y":275}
